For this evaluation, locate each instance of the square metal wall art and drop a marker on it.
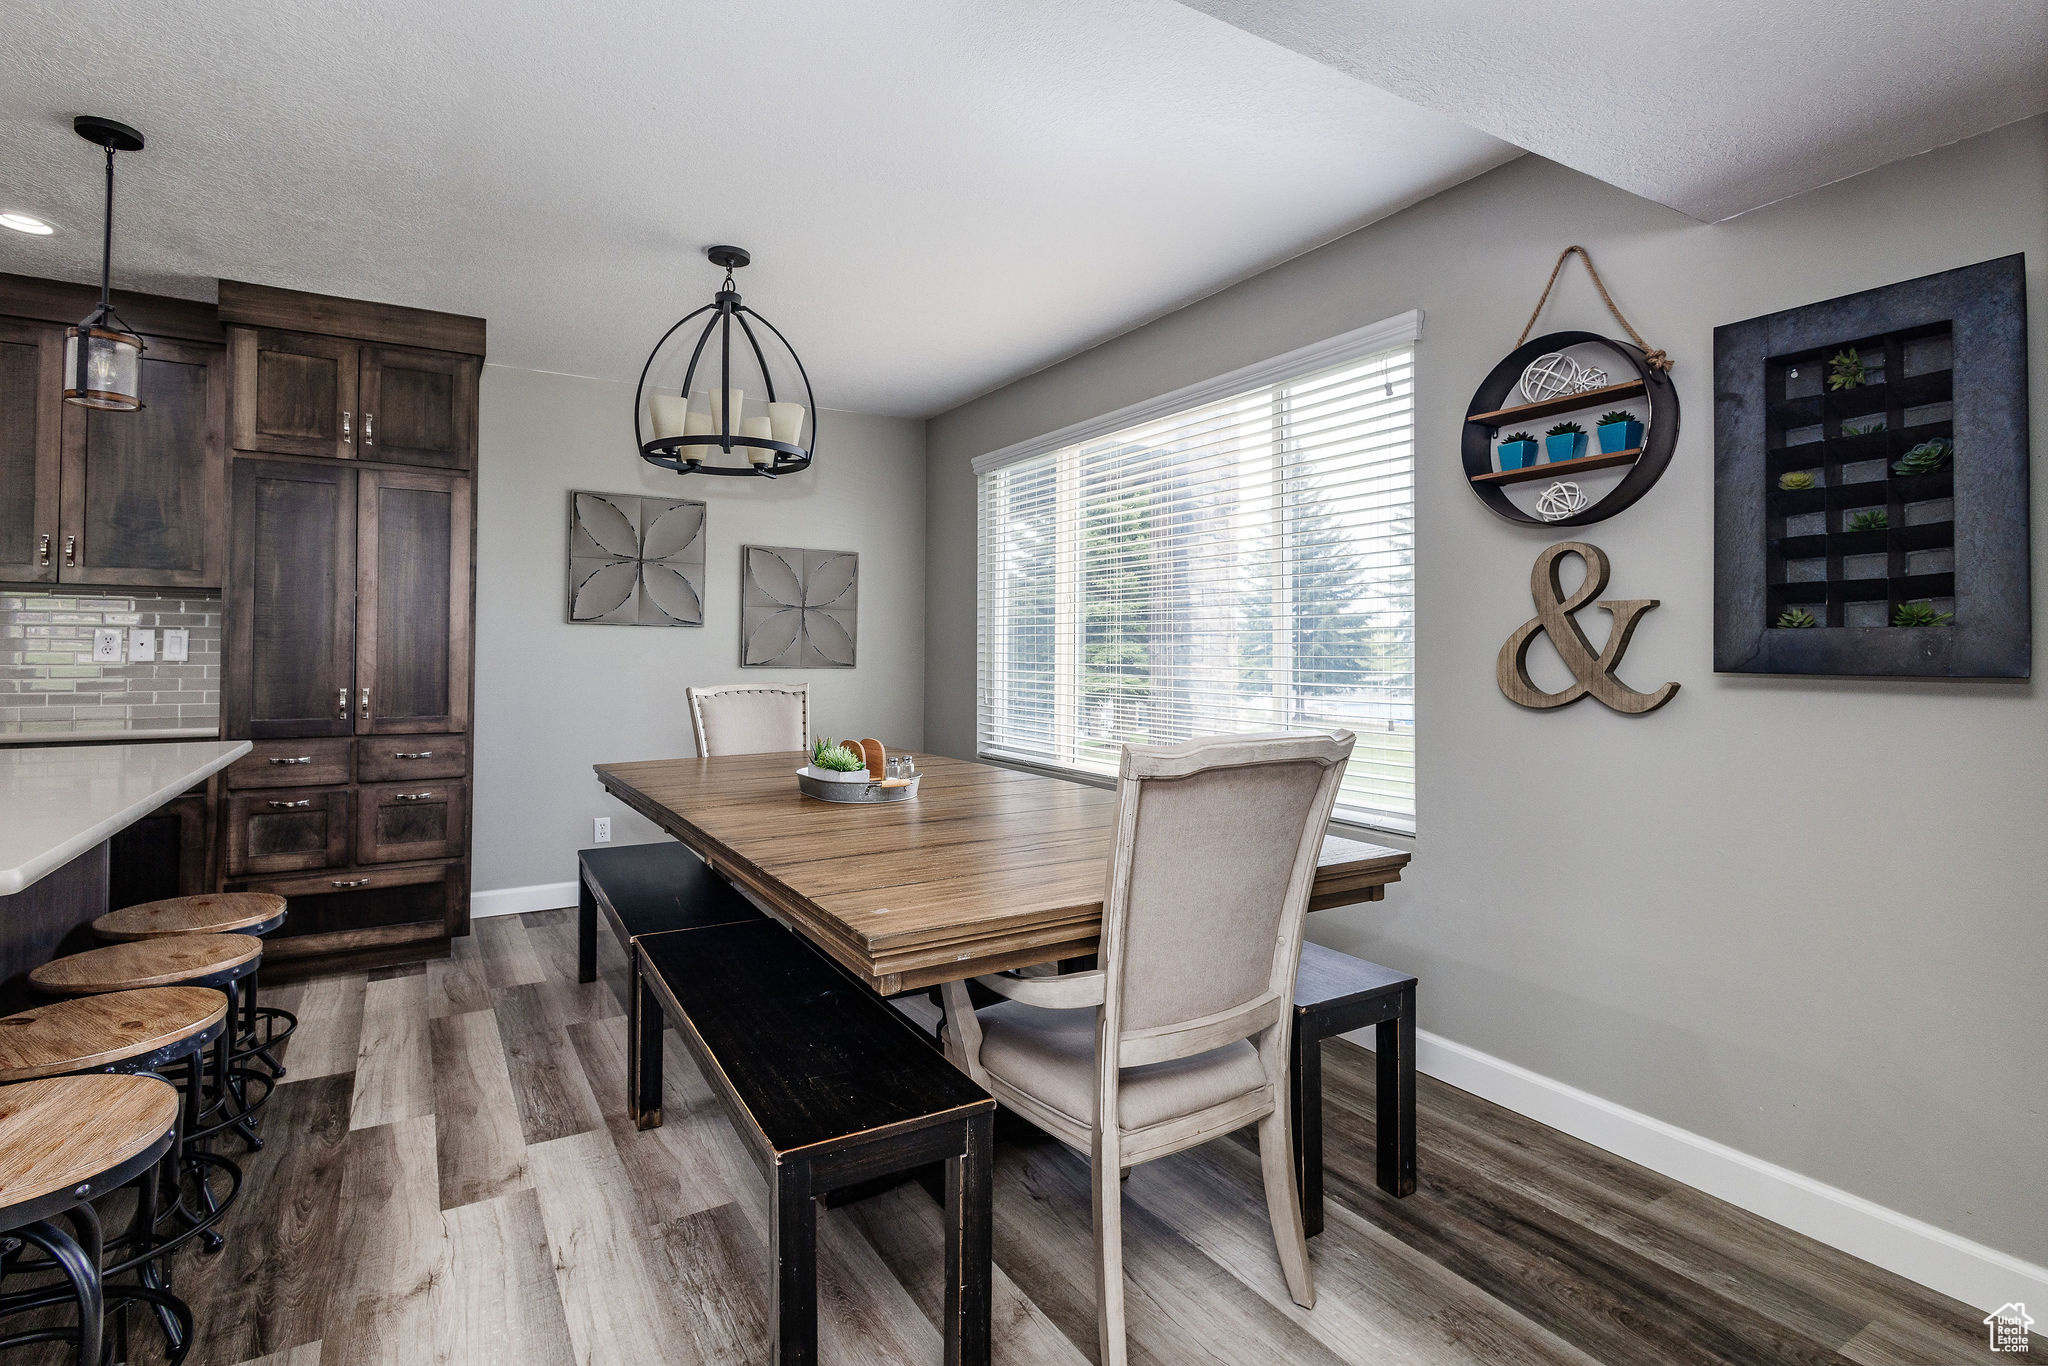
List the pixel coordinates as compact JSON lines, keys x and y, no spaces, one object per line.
{"x":635,"y":561}
{"x":1870,"y":483}
{"x":798,"y":608}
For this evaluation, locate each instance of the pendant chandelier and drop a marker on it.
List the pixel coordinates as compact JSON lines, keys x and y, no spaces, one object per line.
{"x":102,"y":357}
{"x":719,"y":429}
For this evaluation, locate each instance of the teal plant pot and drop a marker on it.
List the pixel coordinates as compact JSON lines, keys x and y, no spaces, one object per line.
{"x":1565,"y":446}
{"x":1515,"y":455}
{"x":1620,"y":436}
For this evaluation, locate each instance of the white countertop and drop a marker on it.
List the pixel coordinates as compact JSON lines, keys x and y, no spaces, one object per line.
{"x":59,"y":801}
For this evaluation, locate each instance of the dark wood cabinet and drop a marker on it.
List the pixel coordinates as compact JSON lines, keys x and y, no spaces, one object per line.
{"x":412,"y":602}
{"x":287,"y":831}
{"x":408,"y":758}
{"x":165,"y":854}
{"x":142,"y":491}
{"x":292,"y":763}
{"x":419,"y":407}
{"x":290,"y":602}
{"x":295,"y":392}
{"x":31,"y":426}
{"x":400,"y":822}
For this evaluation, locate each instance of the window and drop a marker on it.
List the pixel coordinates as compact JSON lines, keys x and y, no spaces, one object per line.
{"x":1238,"y":557}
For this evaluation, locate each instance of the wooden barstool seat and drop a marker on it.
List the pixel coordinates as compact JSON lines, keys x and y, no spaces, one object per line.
{"x":114,"y":1031}
{"x":175,"y":960}
{"x":63,"y":1142}
{"x":212,"y":913}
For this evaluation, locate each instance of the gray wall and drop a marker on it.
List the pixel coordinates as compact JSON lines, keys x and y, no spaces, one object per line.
{"x":553,"y":699}
{"x":1802,"y":917}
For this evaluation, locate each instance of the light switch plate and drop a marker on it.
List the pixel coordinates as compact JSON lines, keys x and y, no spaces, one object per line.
{"x":106,"y":647}
{"x":141,"y":645}
{"x":177,"y":644}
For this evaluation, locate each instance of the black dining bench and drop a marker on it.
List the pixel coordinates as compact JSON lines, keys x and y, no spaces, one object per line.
{"x":647,"y":889}
{"x":829,"y":1086}
{"x":1333,"y":994}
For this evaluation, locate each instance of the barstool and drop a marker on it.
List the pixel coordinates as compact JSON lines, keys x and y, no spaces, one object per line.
{"x":157,"y":1030}
{"x":262,"y":1028}
{"x":221,"y":961}
{"x":64,"y":1141}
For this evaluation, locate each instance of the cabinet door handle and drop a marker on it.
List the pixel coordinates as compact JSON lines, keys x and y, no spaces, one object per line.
{"x":413,"y":754}
{"x":369,"y":429}
{"x":302,"y":759}
{"x":350,"y":882}
{"x":292,"y":806}
{"x":341,"y":703}
{"x":43,"y":551}
{"x":71,"y":550}
{"x":410,"y":796}
{"x":363,"y":705}
{"x":348,"y":431}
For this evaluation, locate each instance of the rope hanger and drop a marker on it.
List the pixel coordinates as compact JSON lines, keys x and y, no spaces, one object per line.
{"x":1657,"y":360}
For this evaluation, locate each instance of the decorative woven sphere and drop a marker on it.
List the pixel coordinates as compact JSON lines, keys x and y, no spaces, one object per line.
{"x":1559,"y":501}
{"x":1591,"y":377}
{"x":1550,"y":376}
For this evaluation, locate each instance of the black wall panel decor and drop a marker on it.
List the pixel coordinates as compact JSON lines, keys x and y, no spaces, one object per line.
{"x":1870,"y":482}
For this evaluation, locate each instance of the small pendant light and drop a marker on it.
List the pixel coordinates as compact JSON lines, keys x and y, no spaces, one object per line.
{"x":102,"y":358}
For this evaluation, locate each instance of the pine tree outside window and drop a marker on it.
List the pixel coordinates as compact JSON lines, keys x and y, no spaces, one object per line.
{"x":1235,"y":558}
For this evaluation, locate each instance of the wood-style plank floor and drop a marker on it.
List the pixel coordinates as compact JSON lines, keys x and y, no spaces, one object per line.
{"x":449,"y":1179}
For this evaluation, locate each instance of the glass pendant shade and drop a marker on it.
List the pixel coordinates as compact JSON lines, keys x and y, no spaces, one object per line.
{"x":102,"y":368}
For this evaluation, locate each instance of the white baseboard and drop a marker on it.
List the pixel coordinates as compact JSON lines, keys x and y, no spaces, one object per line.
{"x":1933,"y":1257}
{"x":543,"y":896}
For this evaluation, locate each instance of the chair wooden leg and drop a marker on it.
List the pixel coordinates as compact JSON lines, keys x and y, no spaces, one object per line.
{"x":643,"y":1052}
{"x":586,"y":930}
{"x":970,"y":1247}
{"x":1283,"y":1205}
{"x":793,"y":1249}
{"x":1109,"y":1249}
{"x":1394,"y":1101}
{"x":1305,"y":1119}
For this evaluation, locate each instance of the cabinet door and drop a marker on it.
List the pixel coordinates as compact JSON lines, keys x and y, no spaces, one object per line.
{"x":143,"y":498}
{"x":404,"y":821}
{"x":419,"y":407}
{"x":412,"y":602}
{"x":290,"y":602}
{"x":31,"y":423}
{"x":287,"y":831}
{"x":295,"y":393}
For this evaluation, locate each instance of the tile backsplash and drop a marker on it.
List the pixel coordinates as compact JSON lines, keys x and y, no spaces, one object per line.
{"x":49,"y":684}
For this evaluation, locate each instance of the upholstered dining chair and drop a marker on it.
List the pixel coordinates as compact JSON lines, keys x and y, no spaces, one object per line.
{"x":1180,"y":1034}
{"x":750,"y":718}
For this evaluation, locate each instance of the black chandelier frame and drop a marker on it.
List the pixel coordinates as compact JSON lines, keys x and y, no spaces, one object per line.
{"x":726,"y":309}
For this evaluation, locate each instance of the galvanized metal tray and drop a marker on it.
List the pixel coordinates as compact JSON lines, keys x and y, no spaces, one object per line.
{"x":855,"y":793}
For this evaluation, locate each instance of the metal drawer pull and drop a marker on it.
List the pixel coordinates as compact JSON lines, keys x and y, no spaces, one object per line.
{"x":43,"y":550}
{"x":347,"y":432}
{"x":414,"y":754}
{"x":369,"y":429}
{"x":351,"y":882}
{"x":363,"y":705}
{"x":292,"y":806}
{"x":410,"y":796}
{"x":341,"y":702}
{"x":71,"y":550}
{"x":302,"y":759}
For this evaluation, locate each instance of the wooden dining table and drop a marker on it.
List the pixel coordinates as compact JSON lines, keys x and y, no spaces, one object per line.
{"x":986,"y":869}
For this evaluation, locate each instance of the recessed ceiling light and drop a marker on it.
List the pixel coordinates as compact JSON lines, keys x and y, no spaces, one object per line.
{"x":22,"y":222}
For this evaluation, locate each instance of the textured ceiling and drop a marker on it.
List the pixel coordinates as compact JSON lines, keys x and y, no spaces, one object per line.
{"x":1713,"y":107}
{"x":939,"y":195}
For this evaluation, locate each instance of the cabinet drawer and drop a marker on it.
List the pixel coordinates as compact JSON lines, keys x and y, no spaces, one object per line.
{"x":287,"y":832}
{"x":348,"y":909}
{"x":403,"y":758}
{"x":292,"y":763}
{"x":400,"y":821}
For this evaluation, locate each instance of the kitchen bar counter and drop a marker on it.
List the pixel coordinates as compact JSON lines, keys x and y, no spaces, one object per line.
{"x":59,"y":802}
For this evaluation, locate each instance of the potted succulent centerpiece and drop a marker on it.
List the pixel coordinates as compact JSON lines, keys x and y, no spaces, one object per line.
{"x":832,"y":762}
{"x":1620,"y":430}
{"x":1517,"y":451}
{"x":1565,"y":441}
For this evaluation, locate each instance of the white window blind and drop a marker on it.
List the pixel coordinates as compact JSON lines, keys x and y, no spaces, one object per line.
{"x":1241,"y":561}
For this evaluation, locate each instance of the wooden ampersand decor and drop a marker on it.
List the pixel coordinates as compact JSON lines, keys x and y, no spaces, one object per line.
{"x":1593,"y":672}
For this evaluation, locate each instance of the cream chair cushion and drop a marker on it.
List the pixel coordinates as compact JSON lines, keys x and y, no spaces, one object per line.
{"x":749,"y":721}
{"x":1050,"y":1056}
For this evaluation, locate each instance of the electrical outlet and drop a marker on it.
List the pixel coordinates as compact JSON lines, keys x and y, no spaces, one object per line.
{"x":141,"y":645}
{"x":604,"y":830}
{"x":106,"y":647}
{"x":177,"y":645}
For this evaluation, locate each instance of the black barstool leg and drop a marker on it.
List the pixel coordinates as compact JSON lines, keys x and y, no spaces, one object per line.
{"x":231,"y":1090}
{"x":194,"y":1085}
{"x":252,"y":1017}
{"x":78,"y":1259}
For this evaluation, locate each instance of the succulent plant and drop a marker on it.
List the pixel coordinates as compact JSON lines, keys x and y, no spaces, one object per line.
{"x":1566,"y":429}
{"x":1875,"y":520}
{"x":1920,"y":614}
{"x":1796,"y":617}
{"x":1870,"y":428}
{"x":1845,"y":369}
{"x":836,"y":757}
{"x":1796,"y":480}
{"x":1618,"y":415}
{"x":1516,"y":436}
{"x":1926,"y":457}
